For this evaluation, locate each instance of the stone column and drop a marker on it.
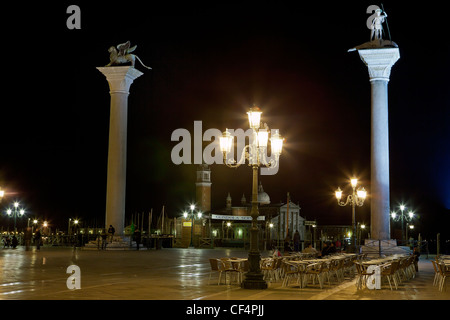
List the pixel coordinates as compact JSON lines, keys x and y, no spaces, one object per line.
{"x":379,"y":62}
{"x":119,"y":80}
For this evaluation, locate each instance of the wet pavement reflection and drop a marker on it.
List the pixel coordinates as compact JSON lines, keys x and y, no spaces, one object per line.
{"x":167,"y":274}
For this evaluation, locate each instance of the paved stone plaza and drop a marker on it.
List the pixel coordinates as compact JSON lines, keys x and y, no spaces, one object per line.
{"x":169,"y":274}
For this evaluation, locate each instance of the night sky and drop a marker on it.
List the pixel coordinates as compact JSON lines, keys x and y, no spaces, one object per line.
{"x":210,"y":63}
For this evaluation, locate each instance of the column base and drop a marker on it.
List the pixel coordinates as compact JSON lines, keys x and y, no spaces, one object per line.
{"x":381,"y":247}
{"x":254,"y":279}
{"x":118,"y":243}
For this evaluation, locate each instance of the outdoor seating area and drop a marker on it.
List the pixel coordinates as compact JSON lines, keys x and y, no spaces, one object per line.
{"x":308,"y":270}
{"x":229,"y":268}
{"x":187,"y":274}
{"x":442,"y":271}
{"x":296,"y":269}
{"x":396,"y":269}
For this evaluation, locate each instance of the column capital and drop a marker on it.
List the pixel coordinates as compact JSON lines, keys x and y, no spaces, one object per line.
{"x":120,"y":78}
{"x":379,"y":61}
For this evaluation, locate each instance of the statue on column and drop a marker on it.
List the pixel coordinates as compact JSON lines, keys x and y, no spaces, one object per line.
{"x":375,"y":24}
{"x":122,"y":54}
{"x":376,"y":28}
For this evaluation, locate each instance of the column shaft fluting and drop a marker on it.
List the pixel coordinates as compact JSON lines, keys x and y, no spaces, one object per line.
{"x":379,"y":62}
{"x":120,"y":80}
{"x":380,"y":227}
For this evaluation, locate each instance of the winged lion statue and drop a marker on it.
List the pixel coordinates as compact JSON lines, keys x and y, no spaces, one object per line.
{"x":122,"y":53}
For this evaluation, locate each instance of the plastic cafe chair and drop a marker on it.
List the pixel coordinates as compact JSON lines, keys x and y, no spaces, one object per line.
{"x":271,"y":268}
{"x":444,"y":274}
{"x":437,"y":273}
{"x":362,"y":274}
{"x":244,"y":267}
{"x":291,"y":272}
{"x":241,"y":267}
{"x":315,"y":271}
{"x":390,"y":273}
{"x":228,"y":269}
{"x":336,"y":269}
{"x":215,"y":267}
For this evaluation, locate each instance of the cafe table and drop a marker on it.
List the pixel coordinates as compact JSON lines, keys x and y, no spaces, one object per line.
{"x":238,"y":263}
{"x":384,"y":260}
{"x":300,"y":266}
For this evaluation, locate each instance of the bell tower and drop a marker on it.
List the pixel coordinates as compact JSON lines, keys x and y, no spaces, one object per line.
{"x":203,"y":188}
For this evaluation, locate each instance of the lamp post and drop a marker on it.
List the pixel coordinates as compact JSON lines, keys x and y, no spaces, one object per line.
{"x":402,"y":217}
{"x":355,"y":199}
{"x":268,"y":234}
{"x":361,"y":228}
{"x":2,"y":194}
{"x":16,"y":212}
{"x":255,"y":153}
{"x":45,"y":227}
{"x":192,"y":216}
{"x":411,"y":228}
{"x":228,"y":229}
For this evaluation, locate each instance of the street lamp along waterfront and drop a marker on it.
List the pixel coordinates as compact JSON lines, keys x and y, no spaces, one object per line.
{"x":192,"y":216}
{"x":355,"y":199}
{"x":403,"y":217}
{"x":255,"y":153}
{"x":16,"y":212}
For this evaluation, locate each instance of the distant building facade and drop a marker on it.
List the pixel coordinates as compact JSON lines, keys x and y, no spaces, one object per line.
{"x":230,"y":225}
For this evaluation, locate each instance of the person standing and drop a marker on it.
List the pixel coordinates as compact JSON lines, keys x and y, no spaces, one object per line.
{"x":37,"y":239}
{"x":287,"y":244}
{"x":27,"y":237}
{"x":111,"y":232}
{"x":14,"y":241}
{"x":104,"y":237}
{"x":338,"y":245}
{"x":331,"y":248}
{"x":137,"y":237}
{"x":324,"y":251}
{"x":416,"y":254}
{"x":296,"y":241}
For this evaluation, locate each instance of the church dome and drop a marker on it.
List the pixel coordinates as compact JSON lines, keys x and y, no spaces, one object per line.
{"x":263,"y":198}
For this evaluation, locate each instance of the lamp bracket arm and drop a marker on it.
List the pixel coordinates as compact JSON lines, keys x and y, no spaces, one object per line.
{"x":347,"y":202}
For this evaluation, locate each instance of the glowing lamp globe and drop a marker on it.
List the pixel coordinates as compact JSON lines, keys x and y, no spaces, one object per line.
{"x":277,"y":143}
{"x":226,"y":142}
{"x":254,"y":117}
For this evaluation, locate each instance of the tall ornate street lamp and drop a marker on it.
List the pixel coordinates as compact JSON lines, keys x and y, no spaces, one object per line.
{"x":402,"y":217}
{"x":15,"y":212}
{"x":355,"y":199}
{"x":255,"y":153}
{"x":192,"y":216}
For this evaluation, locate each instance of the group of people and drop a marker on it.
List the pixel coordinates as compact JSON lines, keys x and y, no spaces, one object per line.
{"x":327,"y":249}
{"x":13,"y":241}
{"x":104,"y":236}
{"x":10,"y":241}
{"x":296,"y":241}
